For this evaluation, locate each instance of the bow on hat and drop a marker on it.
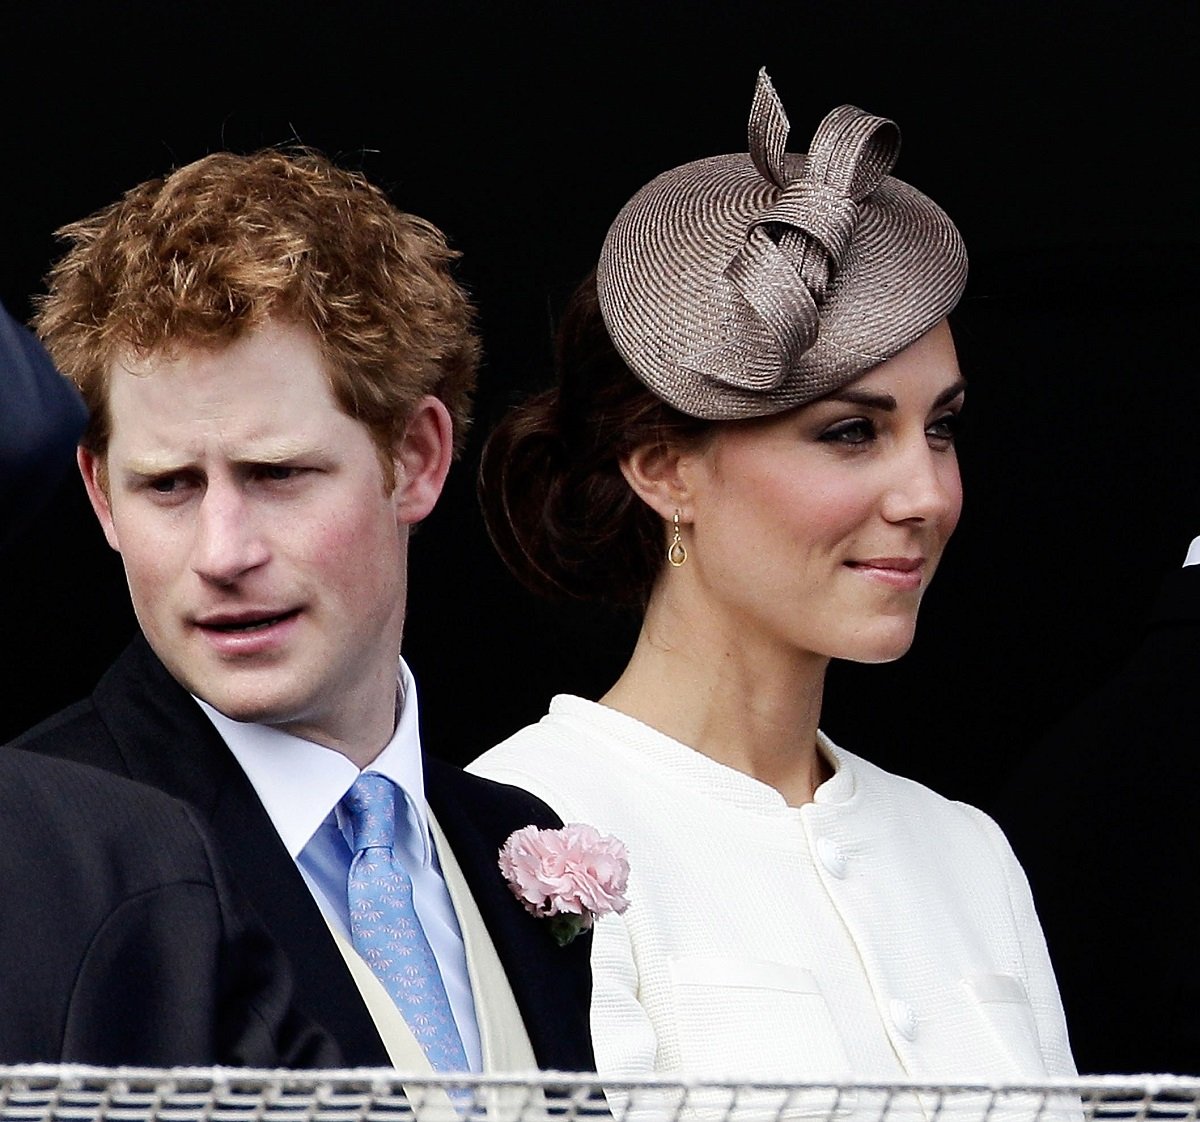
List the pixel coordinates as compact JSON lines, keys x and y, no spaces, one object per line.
{"x":793,"y":248}
{"x":743,"y":285}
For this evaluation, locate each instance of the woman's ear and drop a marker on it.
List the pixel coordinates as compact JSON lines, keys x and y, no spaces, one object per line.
{"x":422,"y":460}
{"x":659,"y":475}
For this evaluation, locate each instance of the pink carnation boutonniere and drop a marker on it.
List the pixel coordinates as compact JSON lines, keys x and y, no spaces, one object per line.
{"x":569,"y":876}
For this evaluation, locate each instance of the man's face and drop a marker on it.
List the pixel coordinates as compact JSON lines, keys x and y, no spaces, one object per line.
{"x":266,"y":560}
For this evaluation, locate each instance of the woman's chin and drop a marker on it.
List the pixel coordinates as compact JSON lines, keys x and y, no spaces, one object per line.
{"x":884,"y":646}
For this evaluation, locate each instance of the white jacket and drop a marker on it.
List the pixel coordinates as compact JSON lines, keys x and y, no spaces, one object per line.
{"x":880,"y":932}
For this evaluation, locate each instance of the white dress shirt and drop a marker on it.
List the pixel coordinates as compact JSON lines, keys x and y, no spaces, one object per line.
{"x":301,"y":785}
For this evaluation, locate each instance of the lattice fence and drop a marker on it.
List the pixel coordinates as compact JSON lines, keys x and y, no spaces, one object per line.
{"x":45,"y":1093}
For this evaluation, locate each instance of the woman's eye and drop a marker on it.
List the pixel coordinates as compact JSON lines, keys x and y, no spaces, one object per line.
{"x":856,"y":431}
{"x":945,"y":429}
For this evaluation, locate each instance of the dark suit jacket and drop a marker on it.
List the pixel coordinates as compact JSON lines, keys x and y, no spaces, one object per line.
{"x":41,"y":417}
{"x":1104,"y":817}
{"x":141,"y":723}
{"x":120,"y":942}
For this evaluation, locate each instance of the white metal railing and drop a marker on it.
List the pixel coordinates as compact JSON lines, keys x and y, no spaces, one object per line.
{"x":74,"y":1093}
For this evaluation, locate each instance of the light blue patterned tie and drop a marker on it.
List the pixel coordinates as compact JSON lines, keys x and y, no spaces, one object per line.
{"x":384,"y":925}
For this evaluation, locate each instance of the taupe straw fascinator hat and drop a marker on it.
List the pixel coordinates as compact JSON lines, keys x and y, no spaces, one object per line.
{"x":744,"y":285}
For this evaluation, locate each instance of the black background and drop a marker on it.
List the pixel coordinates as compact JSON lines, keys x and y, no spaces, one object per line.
{"x":1060,"y":136}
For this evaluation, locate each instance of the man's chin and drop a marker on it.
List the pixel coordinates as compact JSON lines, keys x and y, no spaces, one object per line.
{"x":244,"y":702}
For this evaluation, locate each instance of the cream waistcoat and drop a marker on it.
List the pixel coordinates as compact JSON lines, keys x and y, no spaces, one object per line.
{"x":505,"y":1042}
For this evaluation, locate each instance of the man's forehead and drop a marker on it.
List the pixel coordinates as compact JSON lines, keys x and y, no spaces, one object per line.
{"x":275,"y":336}
{"x":169,"y":353}
{"x":240,"y":399}
{"x":280,"y":358}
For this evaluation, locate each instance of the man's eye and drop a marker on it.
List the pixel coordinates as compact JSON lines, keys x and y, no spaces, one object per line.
{"x":165,"y":485}
{"x":856,"y":431}
{"x":278,"y":472}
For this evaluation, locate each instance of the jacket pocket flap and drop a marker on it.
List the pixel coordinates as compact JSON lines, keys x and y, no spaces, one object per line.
{"x":716,"y":970}
{"x":997,"y":987}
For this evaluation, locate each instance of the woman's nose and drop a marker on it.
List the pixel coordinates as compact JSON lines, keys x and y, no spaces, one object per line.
{"x":926,"y":487}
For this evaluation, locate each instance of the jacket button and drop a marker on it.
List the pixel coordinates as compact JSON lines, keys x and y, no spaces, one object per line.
{"x":832,"y":857}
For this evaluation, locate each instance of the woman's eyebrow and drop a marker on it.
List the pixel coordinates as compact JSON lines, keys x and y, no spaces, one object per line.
{"x":949,"y":393}
{"x":886,"y":403}
{"x":883,"y":401}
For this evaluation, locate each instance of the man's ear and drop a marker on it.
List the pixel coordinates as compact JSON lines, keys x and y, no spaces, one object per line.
{"x":659,"y":475}
{"x":95,"y":482}
{"x":422,"y":460}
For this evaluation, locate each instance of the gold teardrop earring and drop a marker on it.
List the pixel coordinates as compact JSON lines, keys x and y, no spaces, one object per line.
{"x":676,"y":551}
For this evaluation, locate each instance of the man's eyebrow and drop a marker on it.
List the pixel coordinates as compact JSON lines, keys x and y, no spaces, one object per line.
{"x":149,"y":466}
{"x":276,"y":453}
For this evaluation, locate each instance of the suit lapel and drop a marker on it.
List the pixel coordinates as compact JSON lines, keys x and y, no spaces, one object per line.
{"x":1178,"y":599}
{"x":165,"y":740}
{"x":551,"y":984}
{"x":504,"y":1040}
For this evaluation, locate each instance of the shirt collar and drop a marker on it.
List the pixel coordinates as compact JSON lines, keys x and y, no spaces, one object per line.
{"x":300,"y":783}
{"x":1193,"y":553}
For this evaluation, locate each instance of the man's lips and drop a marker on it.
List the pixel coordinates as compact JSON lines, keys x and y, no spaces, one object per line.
{"x":248,"y":633}
{"x":246,"y":620}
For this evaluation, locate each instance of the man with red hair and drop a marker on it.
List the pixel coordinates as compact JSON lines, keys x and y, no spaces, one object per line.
{"x":142,"y":917}
{"x":277,"y":365}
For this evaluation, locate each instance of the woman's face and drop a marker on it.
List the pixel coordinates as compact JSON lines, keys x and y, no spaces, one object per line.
{"x":820,"y":528}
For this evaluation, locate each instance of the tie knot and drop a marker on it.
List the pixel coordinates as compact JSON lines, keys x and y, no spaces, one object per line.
{"x":371,"y":806}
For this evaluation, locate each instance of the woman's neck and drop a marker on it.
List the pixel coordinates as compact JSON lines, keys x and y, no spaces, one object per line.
{"x":746,"y":703}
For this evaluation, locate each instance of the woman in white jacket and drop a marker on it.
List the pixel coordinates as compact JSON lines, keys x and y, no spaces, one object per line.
{"x":753,"y":437}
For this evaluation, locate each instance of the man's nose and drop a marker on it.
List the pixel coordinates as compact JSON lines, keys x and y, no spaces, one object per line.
{"x":228,"y":541}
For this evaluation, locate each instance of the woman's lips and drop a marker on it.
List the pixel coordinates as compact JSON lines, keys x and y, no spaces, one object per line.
{"x":903,"y":573}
